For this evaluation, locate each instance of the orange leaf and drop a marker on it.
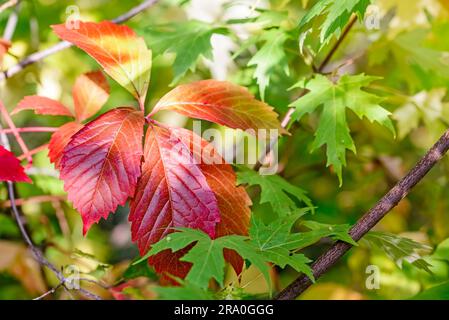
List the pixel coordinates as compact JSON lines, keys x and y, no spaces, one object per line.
{"x":90,"y":92}
{"x":101,"y":163}
{"x":42,"y":105}
{"x":60,"y":139}
{"x":122,"y":54}
{"x":220,"y":102}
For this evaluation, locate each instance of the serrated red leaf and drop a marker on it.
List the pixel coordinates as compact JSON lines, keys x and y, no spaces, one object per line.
{"x":221,"y":102}
{"x":42,"y":105}
{"x":117,"y":48}
{"x":60,"y":139}
{"x":172,"y":192}
{"x":101,"y":163}
{"x":90,"y":92}
{"x":10,"y":168}
{"x":233,"y":203}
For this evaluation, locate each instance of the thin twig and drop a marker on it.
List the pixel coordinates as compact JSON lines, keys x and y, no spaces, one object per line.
{"x":337,"y":44}
{"x":12,"y":127}
{"x":30,"y":129}
{"x":371,"y":218}
{"x":49,"y":292}
{"x":37,"y":56}
{"x":39,"y":256}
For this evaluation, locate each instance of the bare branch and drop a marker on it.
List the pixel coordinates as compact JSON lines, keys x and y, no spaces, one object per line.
{"x":371,"y":218}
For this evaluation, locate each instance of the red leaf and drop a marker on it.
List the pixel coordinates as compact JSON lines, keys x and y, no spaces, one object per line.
{"x":10,"y":168}
{"x":233,"y":203}
{"x":60,"y":139}
{"x":220,"y":102}
{"x":172,"y":192}
{"x":101,"y":164}
{"x":42,"y":105}
{"x":90,"y":92}
{"x":122,"y":54}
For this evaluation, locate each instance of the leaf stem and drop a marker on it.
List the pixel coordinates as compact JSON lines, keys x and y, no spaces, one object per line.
{"x":13,"y":128}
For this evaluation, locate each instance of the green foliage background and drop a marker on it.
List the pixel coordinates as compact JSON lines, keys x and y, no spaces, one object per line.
{"x":400,"y":45}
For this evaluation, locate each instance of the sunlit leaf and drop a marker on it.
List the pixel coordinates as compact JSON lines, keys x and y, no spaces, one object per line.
{"x":123,"y":55}
{"x":90,"y":92}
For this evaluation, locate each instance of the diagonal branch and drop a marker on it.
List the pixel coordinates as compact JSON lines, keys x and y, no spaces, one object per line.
{"x":37,"y":56}
{"x":371,"y":218}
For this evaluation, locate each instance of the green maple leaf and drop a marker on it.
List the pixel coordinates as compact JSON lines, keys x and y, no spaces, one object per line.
{"x":276,"y":191}
{"x":337,"y":12}
{"x":206,"y":255}
{"x":187,"y":40}
{"x":272,"y":235}
{"x":399,"y":249}
{"x":277,"y":234}
{"x":270,"y":56}
{"x":333,"y":130}
{"x":270,"y":240}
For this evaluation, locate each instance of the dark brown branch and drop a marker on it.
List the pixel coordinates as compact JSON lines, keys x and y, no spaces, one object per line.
{"x":37,"y":56}
{"x":337,"y":44}
{"x":371,"y":218}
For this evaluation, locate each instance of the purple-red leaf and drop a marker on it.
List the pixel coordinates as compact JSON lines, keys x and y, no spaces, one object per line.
{"x":10,"y":168}
{"x":42,"y":105}
{"x":172,"y":191}
{"x":101,"y":164}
